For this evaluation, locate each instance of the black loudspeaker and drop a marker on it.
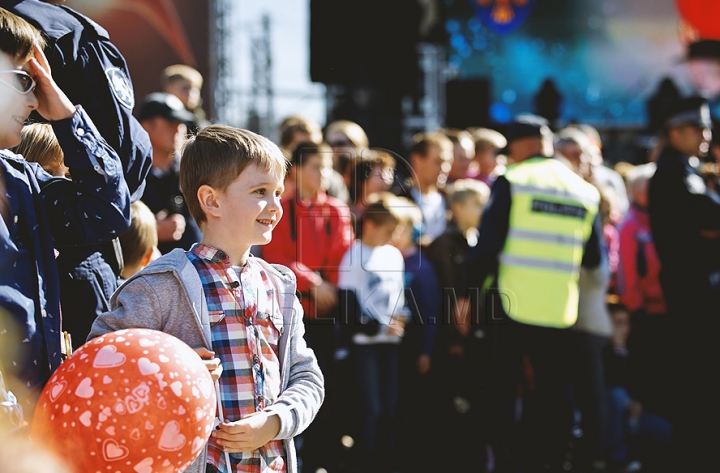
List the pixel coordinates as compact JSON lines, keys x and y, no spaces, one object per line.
{"x":367,"y":42}
{"x":468,"y":103}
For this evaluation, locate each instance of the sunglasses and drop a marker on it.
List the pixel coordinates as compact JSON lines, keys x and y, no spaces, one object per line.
{"x":20,"y":81}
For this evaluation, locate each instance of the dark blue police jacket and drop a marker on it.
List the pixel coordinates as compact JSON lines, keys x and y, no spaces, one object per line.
{"x":45,"y":212}
{"x":92,"y":73}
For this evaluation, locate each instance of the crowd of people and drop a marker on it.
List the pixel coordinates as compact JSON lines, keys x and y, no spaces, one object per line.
{"x":487,"y":301}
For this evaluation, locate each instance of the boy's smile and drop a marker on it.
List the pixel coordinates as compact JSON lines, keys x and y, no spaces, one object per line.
{"x":246,"y":213}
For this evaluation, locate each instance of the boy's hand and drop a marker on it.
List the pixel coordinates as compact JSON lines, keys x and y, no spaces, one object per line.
{"x":325,"y":295}
{"x":211,"y":363}
{"x":423,"y":364}
{"x":53,"y":104}
{"x":462,"y":316}
{"x":635,"y":409}
{"x":248,"y":434}
{"x":396,"y":327}
{"x":170,"y":228}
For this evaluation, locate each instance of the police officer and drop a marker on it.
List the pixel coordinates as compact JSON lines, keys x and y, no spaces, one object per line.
{"x":164,"y":116}
{"x":685,"y":222}
{"x":540,"y":226}
{"x":92,"y":73}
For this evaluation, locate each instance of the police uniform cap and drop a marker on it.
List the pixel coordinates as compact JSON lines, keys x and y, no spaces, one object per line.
{"x":704,"y":49}
{"x":689,"y":111}
{"x":526,"y":125}
{"x":167,"y":106}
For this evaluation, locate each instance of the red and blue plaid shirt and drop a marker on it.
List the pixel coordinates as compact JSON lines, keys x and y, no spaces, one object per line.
{"x":245,"y":324}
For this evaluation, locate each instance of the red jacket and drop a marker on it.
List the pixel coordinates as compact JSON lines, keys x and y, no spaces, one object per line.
{"x":311,"y":239}
{"x":638,"y":277}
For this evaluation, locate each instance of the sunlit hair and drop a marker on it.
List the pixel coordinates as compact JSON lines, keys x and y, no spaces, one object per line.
{"x":298,"y":124}
{"x":363,"y":168}
{"x":217,"y":155}
{"x":142,"y":235}
{"x":485,"y":139}
{"x":384,"y":208}
{"x":18,"y":37}
{"x":307,"y":150}
{"x":423,"y":141}
{"x":38,"y":144}
{"x":463,"y":189}
{"x":351,"y":130}
{"x":179,"y":72}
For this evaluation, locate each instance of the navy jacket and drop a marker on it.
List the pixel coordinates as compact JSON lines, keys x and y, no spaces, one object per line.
{"x":47,"y":211}
{"x":92,"y":73}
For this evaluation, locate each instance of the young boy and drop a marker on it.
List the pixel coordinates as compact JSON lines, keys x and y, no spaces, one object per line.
{"x":39,"y":145}
{"x":374,"y":271}
{"x":219,"y":299}
{"x":139,"y":243}
{"x":39,"y":212}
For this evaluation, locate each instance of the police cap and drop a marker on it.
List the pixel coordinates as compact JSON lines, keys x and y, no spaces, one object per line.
{"x":527,"y":125}
{"x":164,"y":105}
{"x":689,"y":111}
{"x":704,"y":49}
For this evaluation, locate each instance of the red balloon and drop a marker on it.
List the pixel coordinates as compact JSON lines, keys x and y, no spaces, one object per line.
{"x":136,"y":401}
{"x":703,"y":15}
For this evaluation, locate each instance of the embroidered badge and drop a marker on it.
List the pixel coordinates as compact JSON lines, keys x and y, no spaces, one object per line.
{"x":120,"y":86}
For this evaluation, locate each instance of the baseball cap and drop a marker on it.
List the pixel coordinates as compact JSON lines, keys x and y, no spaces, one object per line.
{"x":161,"y":104}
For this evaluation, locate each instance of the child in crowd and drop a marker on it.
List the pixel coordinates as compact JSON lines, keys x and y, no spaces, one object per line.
{"x":373,"y":269}
{"x":372,"y":173}
{"x":630,"y":423}
{"x":463,"y":154}
{"x":638,"y":288}
{"x":139,"y":243}
{"x":460,"y":346}
{"x":39,"y":145}
{"x":39,"y":212}
{"x":219,"y":299}
{"x":422,"y":297}
{"x":487,"y":165}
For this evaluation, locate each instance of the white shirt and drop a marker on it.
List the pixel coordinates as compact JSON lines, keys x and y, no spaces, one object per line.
{"x":377,"y":277}
{"x":434,"y":212}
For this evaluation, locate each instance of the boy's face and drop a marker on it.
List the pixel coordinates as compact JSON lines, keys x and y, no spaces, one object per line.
{"x":377,"y":235}
{"x":14,"y":106}
{"x":314,"y":174}
{"x":468,"y":212}
{"x":184,"y":90}
{"x":249,"y":209}
{"x":165,"y":135}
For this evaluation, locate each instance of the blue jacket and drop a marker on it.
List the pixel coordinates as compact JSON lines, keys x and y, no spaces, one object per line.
{"x":92,"y":73}
{"x":45,"y":212}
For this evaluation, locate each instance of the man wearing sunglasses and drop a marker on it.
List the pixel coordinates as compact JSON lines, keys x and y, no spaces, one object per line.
{"x":92,"y":73}
{"x":39,"y":212}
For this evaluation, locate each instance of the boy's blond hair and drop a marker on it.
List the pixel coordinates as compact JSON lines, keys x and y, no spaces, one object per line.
{"x":423,"y":141}
{"x":142,"y":235}
{"x":38,"y":144}
{"x":462,"y":189}
{"x":384,"y":208}
{"x":217,"y":155}
{"x":485,"y":139}
{"x":178,"y":72}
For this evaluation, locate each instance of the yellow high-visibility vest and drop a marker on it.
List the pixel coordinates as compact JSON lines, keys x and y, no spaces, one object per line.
{"x":551,"y":218}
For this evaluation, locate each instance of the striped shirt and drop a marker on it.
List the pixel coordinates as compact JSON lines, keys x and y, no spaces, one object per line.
{"x":245,"y":324}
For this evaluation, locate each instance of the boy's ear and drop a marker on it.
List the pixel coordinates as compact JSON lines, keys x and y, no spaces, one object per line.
{"x":147,"y":258}
{"x":207,"y":197}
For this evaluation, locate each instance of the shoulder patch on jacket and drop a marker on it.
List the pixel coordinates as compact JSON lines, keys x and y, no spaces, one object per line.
{"x":120,"y":86}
